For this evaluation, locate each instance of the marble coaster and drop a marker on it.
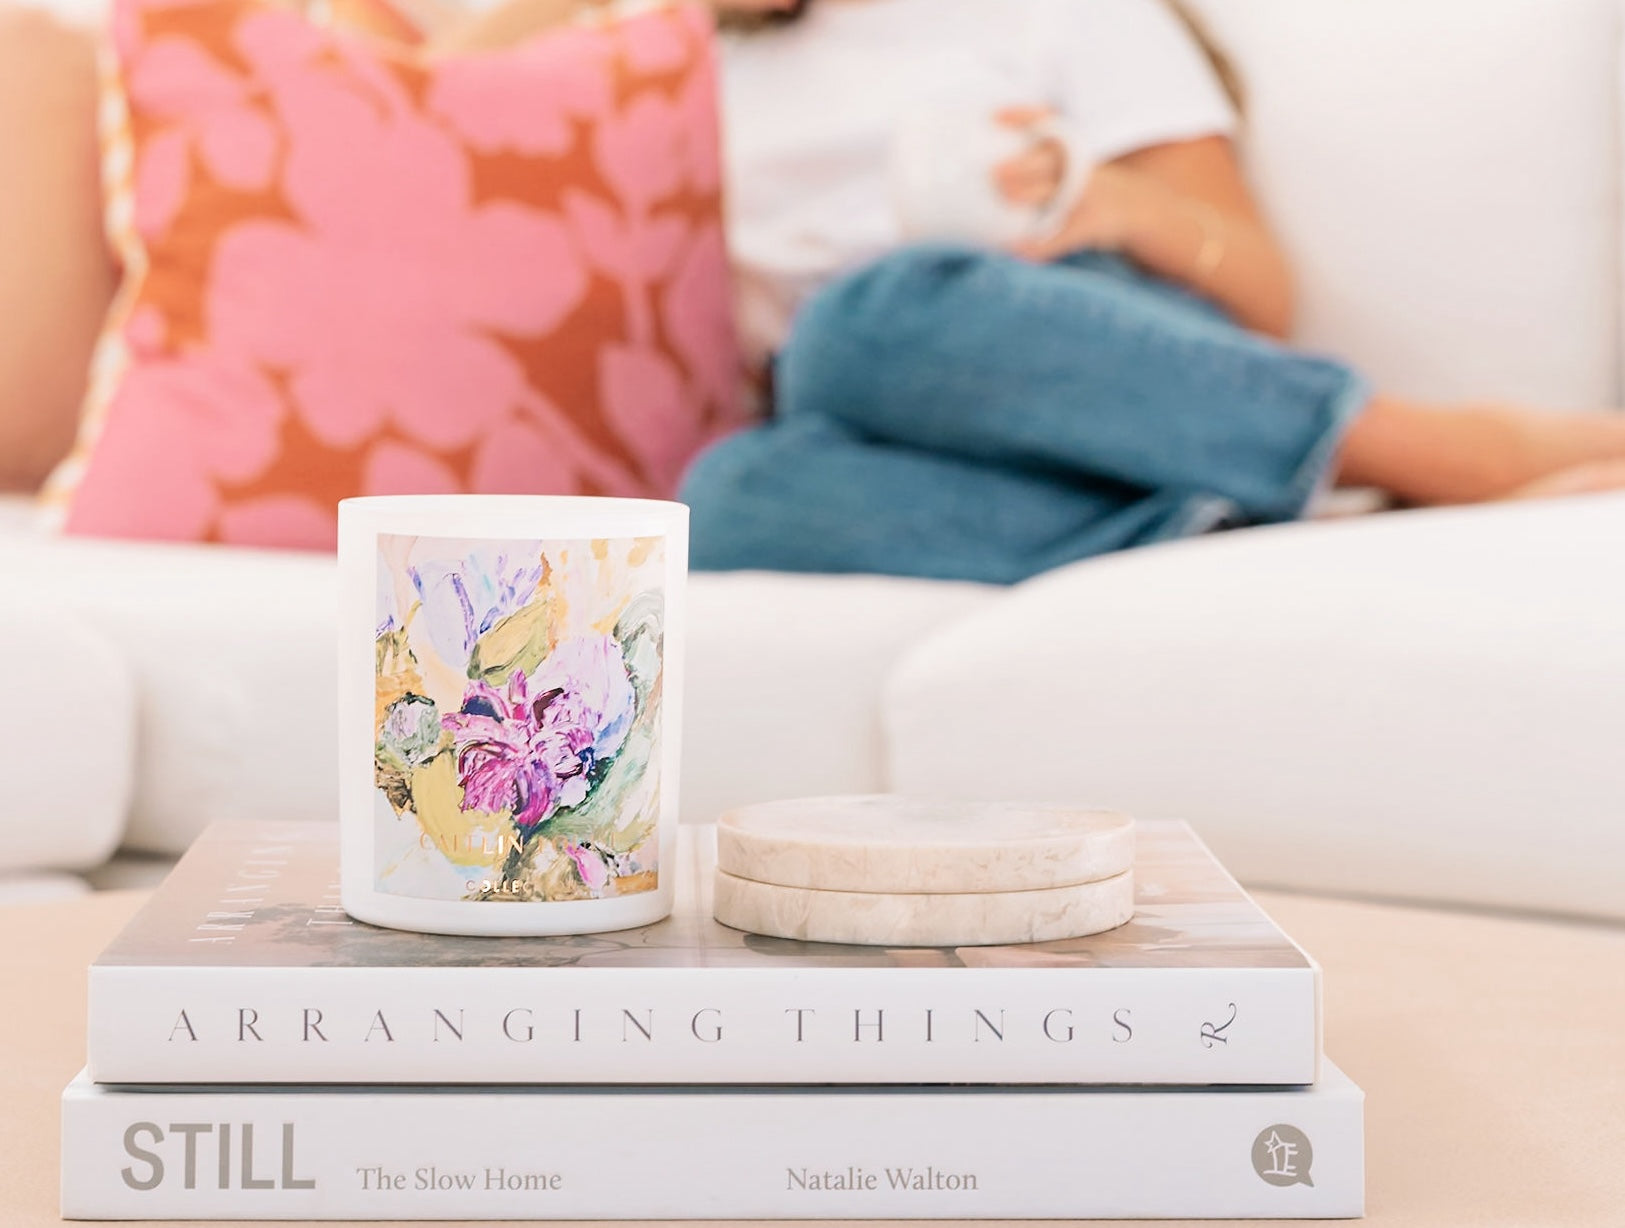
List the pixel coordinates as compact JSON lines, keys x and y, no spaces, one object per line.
{"x":867,"y":918}
{"x":906,"y":845}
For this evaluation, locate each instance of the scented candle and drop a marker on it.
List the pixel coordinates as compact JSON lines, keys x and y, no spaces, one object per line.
{"x":510,"y":695}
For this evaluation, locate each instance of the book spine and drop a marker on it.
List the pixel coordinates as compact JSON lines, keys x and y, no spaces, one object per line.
{"x":580,"y":1154}
{"x":606,"y":1025}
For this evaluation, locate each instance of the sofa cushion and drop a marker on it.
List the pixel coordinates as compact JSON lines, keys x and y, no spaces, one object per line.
{"x":785,"y":675}
{"x":1422,"y":704}
{"x":357,"y":269}
{"x":232,"y":656}
{"x":1445,"y":174}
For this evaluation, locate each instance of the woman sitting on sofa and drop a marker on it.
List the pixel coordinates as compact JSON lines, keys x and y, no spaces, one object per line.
{"x":1111,"y":377}
{"x":1101,"y":366}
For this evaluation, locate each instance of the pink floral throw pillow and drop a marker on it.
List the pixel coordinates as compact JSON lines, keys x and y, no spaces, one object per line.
{"x":354,"y":270}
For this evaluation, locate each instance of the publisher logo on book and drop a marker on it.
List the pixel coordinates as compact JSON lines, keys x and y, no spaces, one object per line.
{"x":1283,"y":1155}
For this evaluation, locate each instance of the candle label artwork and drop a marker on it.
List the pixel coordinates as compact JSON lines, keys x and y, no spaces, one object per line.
{"x":517,"y":717}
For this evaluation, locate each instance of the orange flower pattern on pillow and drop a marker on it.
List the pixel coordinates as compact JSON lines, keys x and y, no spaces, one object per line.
{"x":354,"y":270}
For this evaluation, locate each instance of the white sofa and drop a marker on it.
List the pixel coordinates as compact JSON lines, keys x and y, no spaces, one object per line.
{"x":1420,"y":704}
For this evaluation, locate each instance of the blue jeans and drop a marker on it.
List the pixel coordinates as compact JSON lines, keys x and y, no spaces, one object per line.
{"x":959,"y":414}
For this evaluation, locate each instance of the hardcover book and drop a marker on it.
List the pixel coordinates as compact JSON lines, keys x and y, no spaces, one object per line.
{"x":712,"y":1153}
{"x":243,"y":968}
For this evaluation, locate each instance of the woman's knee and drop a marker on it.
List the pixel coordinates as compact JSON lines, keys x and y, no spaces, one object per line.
{"x":721,"y":470}
{"x":719,"y":490}
{"x":755,"y":498}
{"x":880,"y":314}
{"x":754,"y":467}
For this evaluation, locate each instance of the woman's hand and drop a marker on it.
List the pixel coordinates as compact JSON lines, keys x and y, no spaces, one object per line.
{"x":1033,"y":176}
{"x":1100,"y":218}
{"x":1182,"y":210}
{"x":1103,"y":217}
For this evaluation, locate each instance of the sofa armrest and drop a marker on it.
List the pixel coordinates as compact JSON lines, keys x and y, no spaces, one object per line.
{"x":67,"y":741}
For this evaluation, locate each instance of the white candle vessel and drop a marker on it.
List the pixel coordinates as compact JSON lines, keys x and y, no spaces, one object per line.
{"x":510,"y":673}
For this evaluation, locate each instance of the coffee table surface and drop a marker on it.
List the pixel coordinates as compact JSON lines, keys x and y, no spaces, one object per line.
{"x":1492,"y":1052}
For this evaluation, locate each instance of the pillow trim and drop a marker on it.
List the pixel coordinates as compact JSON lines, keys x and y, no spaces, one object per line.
{"x":110,"y":359}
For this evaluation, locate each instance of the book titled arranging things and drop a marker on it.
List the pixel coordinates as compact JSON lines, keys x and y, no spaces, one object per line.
{"x":243,"y":968}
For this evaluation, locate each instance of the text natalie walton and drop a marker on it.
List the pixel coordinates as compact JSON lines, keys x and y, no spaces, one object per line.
{"x":856,"y":1177}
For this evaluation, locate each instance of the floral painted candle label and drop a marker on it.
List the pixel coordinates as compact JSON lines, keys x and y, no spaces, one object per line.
{"x":518,"y":717}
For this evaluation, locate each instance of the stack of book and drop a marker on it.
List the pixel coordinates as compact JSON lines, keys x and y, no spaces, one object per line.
{"x":255,"y":1054}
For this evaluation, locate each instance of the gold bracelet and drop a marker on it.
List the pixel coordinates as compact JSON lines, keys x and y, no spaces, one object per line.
{"x":1213,"y":250}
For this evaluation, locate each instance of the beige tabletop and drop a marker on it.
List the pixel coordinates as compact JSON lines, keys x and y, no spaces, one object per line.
{"x":1492,"y":1053}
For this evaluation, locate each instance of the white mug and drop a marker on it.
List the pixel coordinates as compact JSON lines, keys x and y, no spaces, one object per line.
{"x":510,"y":672}
{"x":942,"y":165}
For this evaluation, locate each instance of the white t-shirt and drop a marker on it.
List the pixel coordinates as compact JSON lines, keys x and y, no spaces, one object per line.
{"x":809,"y":111}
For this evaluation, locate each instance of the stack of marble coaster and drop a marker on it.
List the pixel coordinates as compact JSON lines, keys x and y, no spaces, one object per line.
{"x":897,"y":871}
